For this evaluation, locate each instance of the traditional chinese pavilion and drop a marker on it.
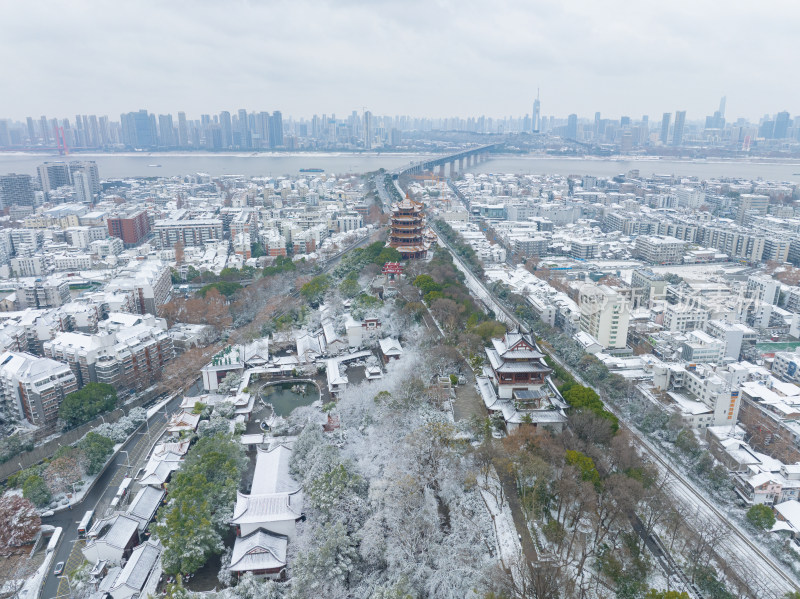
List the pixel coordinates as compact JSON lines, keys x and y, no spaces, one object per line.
{"x":516,"y":365}
{"x":408,"y":234}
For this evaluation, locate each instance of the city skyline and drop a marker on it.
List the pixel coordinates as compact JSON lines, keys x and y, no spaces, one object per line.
{"x":584,"y":58}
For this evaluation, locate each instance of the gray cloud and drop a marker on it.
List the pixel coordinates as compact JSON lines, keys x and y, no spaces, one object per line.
{"x":433,"y":58}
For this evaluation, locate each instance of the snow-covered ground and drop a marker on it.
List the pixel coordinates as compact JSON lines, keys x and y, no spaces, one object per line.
{"x":508,"y":546}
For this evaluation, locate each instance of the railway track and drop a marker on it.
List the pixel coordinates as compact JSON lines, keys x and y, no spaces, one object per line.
{"x":765,"y":577}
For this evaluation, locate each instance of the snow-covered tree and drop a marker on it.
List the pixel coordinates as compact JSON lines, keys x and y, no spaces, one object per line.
{"x":215,"y":425}
{"x":19,"y":522}
{"x":325,"y":569}
{"x":230,"y":383}
{"x":225,"y":409}
{"x":250,"y":587}
{"x":62,"y":472}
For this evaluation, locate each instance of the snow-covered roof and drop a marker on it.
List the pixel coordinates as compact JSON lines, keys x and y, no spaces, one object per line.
{"x":310,"y":346}
{"x":790,"y":511}
{"x":267,"y":507}
{"x":157,"y":472}
{"x":183,"y":421}
{"x":139,"y":566}
{"x":260,"y":550}
{"x":333,"y":375}
{"x":122,"y":528}
{"x":689,"y":406}
{"x":760,"y":479}
{"x":144,"y":506}
{"x":390,"y":347}
{"x":271,"y":473}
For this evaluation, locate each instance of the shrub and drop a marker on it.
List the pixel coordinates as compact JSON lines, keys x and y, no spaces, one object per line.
{"x":761,"y":516}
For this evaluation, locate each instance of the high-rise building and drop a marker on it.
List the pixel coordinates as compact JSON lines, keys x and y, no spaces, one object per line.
{"x":83,"y":188}
{"x":35,"y":386}
{"x":138,"y":130}
{"x":105,"y":132}
{"x":183,"y":131}
{"x":5,"y":134}
{"x":368,"y":130}
{"x":45,"y":130}
{"x":276,"y":130}
{"x":604,"y":316}
{"x":16,"y":190}
{"x":572,"y":126}
{"x":665,"y":127}
{"x":166,"y":131}
{"x":53,"y":175}
{"x":244,"y":129}
{"x":781,"y":125}
{"x":31,"y":131}
{"x":262,"y":129}
{"x":226,"y":129}
{"x":722,"y":106}
{"x":680,"y":122}
{"x":131,"y":227}
{"x":94,"y":131}
{"x":536,"y":114}
{"x":89,"y":168}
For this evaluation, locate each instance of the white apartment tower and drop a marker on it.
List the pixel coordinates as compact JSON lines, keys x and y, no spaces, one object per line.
{"x":604,"y":316}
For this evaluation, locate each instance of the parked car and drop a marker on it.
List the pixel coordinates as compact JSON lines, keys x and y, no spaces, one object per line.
{"x":59,"y":568}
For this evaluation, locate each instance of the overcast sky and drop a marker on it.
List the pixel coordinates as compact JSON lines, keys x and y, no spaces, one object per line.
{"x":416,"y":57}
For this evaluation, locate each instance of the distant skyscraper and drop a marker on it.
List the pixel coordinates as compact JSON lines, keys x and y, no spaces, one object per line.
{"x":31,"y":131}
{"x":781,"y":125}
{"x":226,"y":129}
{"x":138,"y":129}
{"x":276,"y":130}
{"x":183,"y":130}
{"x":536,"y":114}
{"x":367,"y":130}
{"x":680,"y":122}
{"x":244,"y":129}
{"x":166,"y":131}
{"x":722,"y":106}
{"x":665,"y":127}
{"x":572,"y":126}
{"x":105,"y":132}
{"x":5,"y":136}
{"x":45,"y":130}
{"x":262,"y":129}
{"x":16,"y":190}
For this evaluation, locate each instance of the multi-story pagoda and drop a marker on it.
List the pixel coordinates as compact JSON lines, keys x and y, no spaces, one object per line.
{"x":409,"y":233}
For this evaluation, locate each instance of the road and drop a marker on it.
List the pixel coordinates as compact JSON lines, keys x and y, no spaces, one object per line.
{"x":100,"y":495}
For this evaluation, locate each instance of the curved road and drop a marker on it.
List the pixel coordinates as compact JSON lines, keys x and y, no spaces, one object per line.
{"x":105,"y":488}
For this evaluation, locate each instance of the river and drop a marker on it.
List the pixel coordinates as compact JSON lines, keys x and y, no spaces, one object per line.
{"x":140,"y":164}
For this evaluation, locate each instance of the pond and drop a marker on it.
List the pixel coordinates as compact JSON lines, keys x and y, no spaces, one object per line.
{"x":285,"y":397}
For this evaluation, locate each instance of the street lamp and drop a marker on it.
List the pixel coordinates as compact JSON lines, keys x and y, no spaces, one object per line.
{"x":127,"y":458}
